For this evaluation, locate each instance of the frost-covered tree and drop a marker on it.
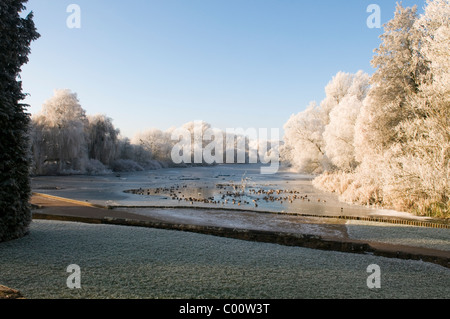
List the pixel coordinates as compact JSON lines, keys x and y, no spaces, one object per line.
{"x":399,"y":68}
{"x":125,"y":148}
{"x":435,"y":43}
{"x":340,"y":131}
{"x":126,"y":157}
{"x":304,"y":147}
{"x":157,"y":142}
{"x":402,"y":135}
{"x":418,"y":172}
{"x":336,"y":90}
{"x":64,"y":122}
{"x":16,"y":35}
{"x":339,"y":134}
{"x":321,"y":133}
{"x":197,"y":130}
{"x":102,"y":138}
{"x":38,"y":138}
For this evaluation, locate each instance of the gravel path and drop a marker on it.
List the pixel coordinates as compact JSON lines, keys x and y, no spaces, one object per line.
{"x":131,"y":262}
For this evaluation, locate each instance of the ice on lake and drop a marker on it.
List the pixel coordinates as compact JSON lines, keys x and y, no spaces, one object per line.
{"x":237,"y":187}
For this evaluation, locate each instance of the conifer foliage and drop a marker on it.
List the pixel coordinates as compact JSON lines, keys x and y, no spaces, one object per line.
{"x":16,"y":35}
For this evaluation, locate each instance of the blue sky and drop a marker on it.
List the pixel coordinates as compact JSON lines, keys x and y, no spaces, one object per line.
{"x":232,"y":63}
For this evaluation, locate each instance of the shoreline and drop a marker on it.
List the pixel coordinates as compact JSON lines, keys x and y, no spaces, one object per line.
{"x":430,"y":223}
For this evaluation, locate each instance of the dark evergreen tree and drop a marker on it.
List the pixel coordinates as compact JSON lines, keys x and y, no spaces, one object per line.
{"x":16,"y":35}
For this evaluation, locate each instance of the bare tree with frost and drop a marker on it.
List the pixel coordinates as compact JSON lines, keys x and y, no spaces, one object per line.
{"x":102,"y":139}
{"x":63,"y":122}
{"x":157,"y":142}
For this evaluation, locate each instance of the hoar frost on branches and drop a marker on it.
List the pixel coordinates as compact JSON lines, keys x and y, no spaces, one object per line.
{"x":304,"y":147}
{"x":321,"y":137}
{"x":59,"y":134}
{"x":64,"y":140}
{"x":67,"y":141}
{"x":339,"y":134}
{"x":419,"y":172}
{"x":402,"y":132}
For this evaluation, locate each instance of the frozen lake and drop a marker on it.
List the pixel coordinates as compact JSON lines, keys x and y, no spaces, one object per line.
{"x":237,"y":187}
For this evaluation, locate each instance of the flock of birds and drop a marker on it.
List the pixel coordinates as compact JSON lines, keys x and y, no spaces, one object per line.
{"x":228,"y":194}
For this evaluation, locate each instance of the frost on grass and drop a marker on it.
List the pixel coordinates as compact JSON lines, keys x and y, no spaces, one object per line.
{"x":400,"y":234}
{"x":129,"y":262}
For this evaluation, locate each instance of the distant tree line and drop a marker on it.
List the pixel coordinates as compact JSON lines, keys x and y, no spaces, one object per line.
{"x":385,"y":139}
{"x":65,"y":140}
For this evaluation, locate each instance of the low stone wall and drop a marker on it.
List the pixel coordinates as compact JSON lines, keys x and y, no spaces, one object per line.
{"x":286,"y":239}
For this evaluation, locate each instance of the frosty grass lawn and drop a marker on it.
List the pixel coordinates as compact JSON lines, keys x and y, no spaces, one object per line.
{"x":131,"y":262}
{"x":434,"y":238}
